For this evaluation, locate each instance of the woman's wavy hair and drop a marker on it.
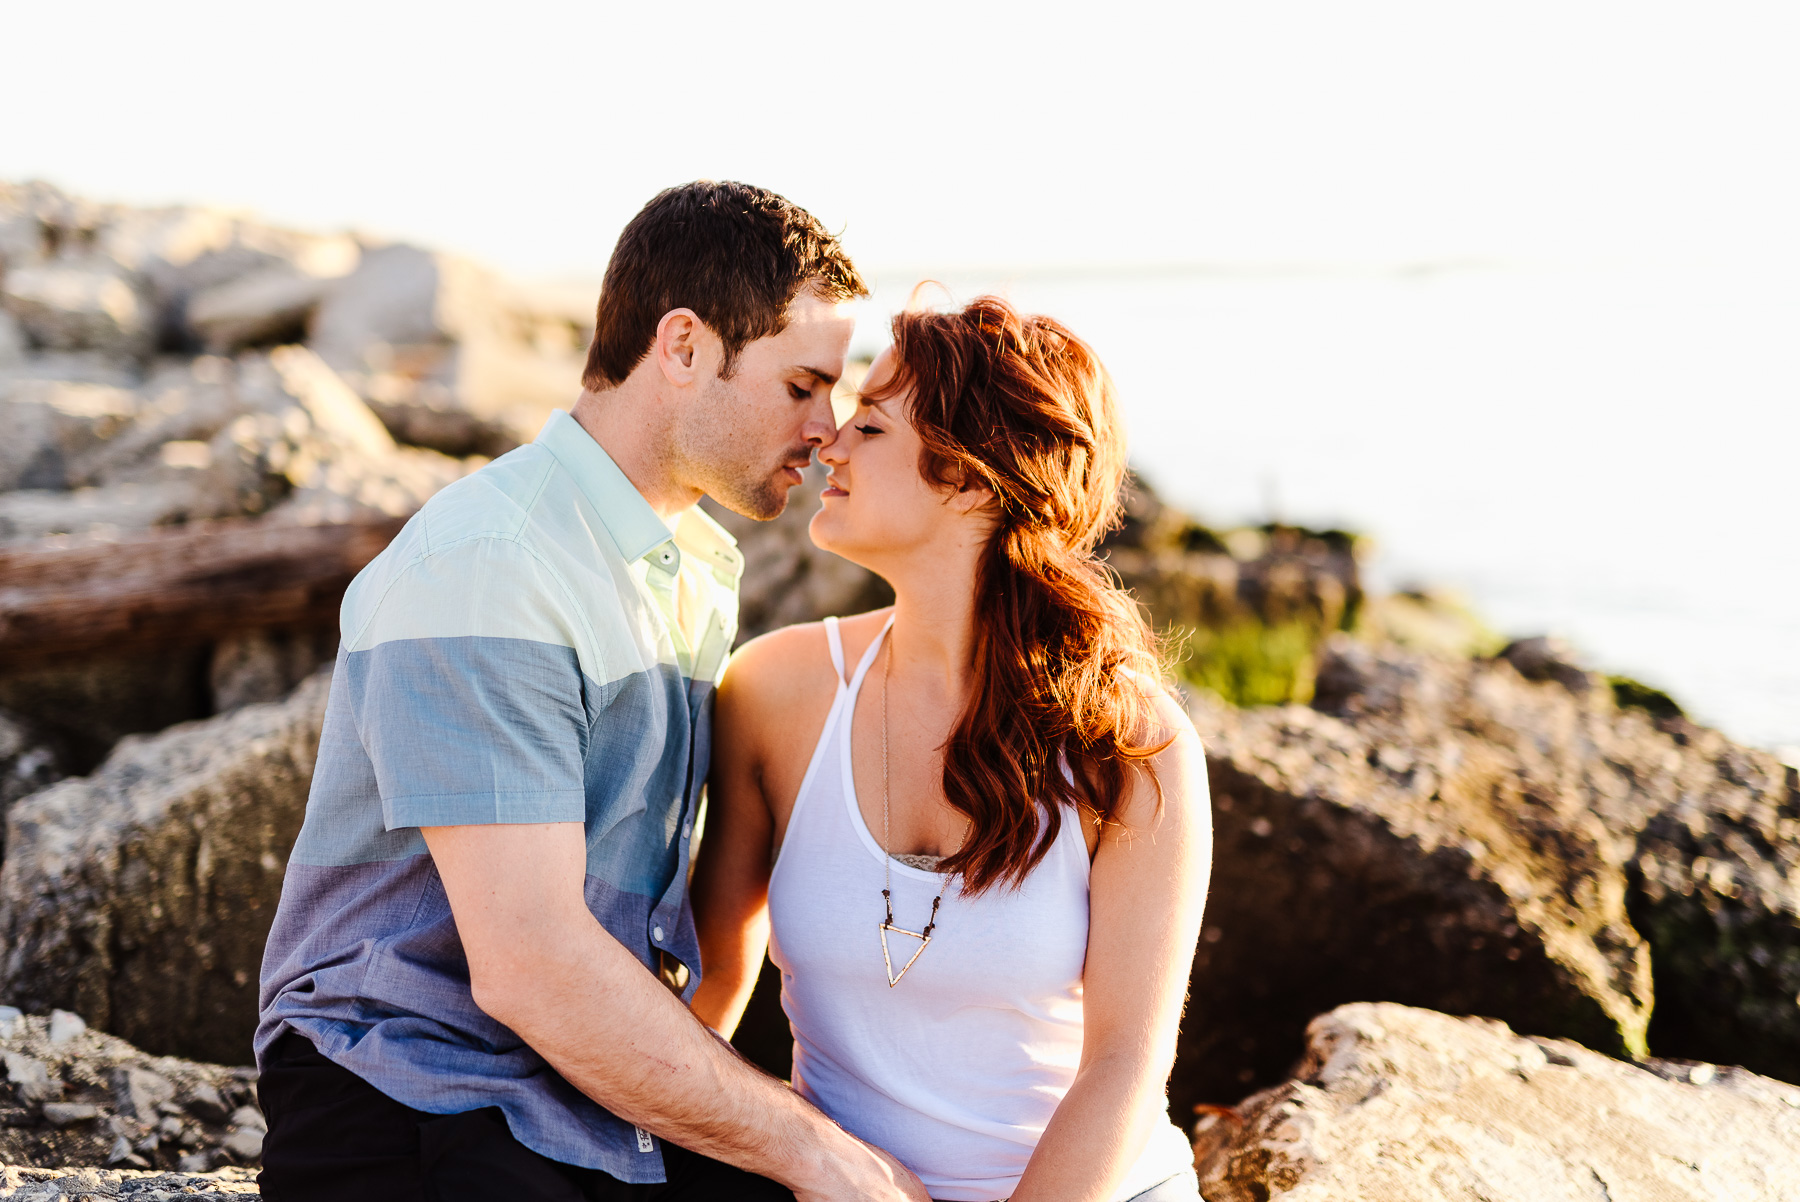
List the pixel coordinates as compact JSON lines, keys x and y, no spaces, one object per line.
{"x":1020,"y":405}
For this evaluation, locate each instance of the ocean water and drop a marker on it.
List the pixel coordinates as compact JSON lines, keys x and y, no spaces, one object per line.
{"x":1609,"y":453}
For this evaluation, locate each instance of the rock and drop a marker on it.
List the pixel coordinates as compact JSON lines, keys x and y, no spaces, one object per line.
{"x":1406,"y":865}
{"x":102,"y":1101}
{"x":169,"y":255}
{"x":205,"y":1103}
{"x":89,"y":304}
{"x":249,"y":1116}
{"x":1406,"y":1105}
{"x":1547,"y":659}
{"x":53,"y":424}
{"x":246,"y":1143}
{"x":64,"y":1114}
{"x":30,"y":1077}
{"x":1452,"y":835}
{"x":266,"y":665}
{"x":13,"y":342}
{"x":141,"y":1092}
{"x":10,"y":1018}
{"x":448,"y":355}
{"x":142,"y":895}
{"x":65,"y":1026}
{"x":1190,"y":576}
{"x":72,"y":716}
{"x":1715,"y":888}
{"x":267,"y":306}
{"x":20,"y":1184}
{"x":26,"y":766}
{"x":210,"y":439}
{"x":339,"y":459}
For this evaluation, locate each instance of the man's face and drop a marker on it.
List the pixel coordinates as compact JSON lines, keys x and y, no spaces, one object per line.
{"x":744,"y":440}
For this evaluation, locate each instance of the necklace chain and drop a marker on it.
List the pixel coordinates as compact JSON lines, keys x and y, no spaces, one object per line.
{"x":887,"y":857}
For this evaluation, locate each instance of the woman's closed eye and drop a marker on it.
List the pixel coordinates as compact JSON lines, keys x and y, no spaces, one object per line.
{"x":866,"y":430}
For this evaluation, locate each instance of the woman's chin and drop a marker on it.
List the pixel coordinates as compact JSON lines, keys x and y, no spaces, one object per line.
{"x":828,"y":534}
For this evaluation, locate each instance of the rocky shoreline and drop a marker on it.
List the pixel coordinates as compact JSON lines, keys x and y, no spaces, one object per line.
{"x":213,"y":424}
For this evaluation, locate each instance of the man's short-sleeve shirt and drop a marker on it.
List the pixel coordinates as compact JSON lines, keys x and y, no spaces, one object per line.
{"x":534,"y":646}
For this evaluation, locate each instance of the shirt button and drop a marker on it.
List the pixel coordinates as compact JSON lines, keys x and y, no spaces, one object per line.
{"x":656,"y":934}
{"x":685,"y":828}
{"x":668,"y":557}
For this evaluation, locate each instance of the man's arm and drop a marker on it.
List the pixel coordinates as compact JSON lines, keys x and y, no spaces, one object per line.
{"x":540,"y":963}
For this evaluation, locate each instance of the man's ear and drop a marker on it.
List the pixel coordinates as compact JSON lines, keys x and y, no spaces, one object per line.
{"x":677,"y":346}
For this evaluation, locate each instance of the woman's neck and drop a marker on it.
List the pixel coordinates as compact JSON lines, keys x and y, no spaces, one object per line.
{"x":934,"y":621}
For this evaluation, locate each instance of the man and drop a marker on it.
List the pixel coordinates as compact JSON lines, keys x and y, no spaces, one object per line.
{"x":470,"y":990}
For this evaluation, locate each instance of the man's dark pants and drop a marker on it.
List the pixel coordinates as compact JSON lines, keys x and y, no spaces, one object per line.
{"x":333,"y":1137}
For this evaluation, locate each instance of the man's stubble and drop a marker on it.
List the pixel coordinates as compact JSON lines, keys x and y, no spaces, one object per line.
{"x":724,"y":454}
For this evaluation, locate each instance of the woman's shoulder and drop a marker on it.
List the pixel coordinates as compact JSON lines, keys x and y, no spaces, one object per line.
{"x":792,"y":665}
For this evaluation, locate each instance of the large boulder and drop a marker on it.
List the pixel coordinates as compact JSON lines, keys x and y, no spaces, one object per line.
{"x":82,"y":304}
{"x":1450,"y":834}
{"x":205,"y":438}
{"x":450,"y":356}
{"x":1715,"y":890}
{"x":27,"y":764}
{"x":123,"y":280}
{"x":72,"y":1096}
{"x":141,"y":896}
{"x":1406,"y":1105}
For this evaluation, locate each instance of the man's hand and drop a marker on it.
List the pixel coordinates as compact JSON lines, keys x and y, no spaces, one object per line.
{"x":540,"y":963}
{"x":878,"y":1176}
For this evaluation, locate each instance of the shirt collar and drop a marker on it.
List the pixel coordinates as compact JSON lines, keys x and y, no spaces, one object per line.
{"x":634,"y":526}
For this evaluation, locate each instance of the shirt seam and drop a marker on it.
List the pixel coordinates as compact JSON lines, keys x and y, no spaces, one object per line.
{"x":516,"y":539}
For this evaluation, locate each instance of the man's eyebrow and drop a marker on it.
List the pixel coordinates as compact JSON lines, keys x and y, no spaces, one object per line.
{"x":824,"y":377}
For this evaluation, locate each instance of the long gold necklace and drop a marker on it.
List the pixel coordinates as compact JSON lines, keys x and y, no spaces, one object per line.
{"x":887,"y":858}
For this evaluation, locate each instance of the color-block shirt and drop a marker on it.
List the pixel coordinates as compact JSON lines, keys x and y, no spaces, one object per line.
{"x":533,"y":647}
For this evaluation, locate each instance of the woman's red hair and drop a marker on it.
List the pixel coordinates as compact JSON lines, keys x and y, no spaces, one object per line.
{"x":1059,"y":711}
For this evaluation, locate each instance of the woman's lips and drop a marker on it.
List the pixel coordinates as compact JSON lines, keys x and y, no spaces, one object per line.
{"x":834,"y":489}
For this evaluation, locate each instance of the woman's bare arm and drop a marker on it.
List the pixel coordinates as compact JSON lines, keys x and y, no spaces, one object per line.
{"x":777,"y":688}
{"x":1146,"y":895}
{"x":731,"y":871}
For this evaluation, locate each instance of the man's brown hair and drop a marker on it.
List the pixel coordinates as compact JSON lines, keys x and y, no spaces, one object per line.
{"x":735,"y":254}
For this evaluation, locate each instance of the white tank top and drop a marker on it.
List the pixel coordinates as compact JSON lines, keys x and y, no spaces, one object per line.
{"x":956,"y":1070}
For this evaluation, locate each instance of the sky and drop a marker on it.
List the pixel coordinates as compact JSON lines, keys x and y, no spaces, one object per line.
{"x":1513,"y":287}
{"x":939,"y":135}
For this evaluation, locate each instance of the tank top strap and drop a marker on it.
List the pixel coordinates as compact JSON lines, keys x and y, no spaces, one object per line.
{"x":835,"y":641}
{"x":868,"y":659}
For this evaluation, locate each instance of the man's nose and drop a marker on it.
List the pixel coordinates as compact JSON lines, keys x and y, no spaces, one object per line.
{"x":820,"y":431}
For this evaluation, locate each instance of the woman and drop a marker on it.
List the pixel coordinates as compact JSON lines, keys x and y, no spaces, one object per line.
{"x":985,"y":878}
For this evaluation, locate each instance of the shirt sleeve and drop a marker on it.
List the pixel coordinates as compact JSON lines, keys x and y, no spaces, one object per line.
{"x":467,"y":690}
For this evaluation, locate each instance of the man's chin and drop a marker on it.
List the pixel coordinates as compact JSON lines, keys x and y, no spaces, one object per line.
{"x":763,"y":504}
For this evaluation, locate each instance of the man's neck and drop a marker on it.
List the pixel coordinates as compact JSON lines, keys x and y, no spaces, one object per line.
{"x":630,"y":428}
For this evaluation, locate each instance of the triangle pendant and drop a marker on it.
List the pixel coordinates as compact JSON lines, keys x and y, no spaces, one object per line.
{"x":888,"y":959}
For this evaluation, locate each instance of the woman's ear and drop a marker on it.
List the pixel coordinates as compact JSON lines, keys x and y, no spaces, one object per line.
{"x":973,"y":497}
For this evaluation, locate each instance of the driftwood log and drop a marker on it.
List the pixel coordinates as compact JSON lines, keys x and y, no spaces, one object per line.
{"x":190,"y":584}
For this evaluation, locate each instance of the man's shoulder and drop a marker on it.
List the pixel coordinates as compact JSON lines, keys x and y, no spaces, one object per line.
{"x":485,"y":556}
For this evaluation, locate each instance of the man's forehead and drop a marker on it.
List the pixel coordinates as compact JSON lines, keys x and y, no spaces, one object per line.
{"x":808,"y":308}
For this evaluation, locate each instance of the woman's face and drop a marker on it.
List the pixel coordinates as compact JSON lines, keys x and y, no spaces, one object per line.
{"x":877,"y":506}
